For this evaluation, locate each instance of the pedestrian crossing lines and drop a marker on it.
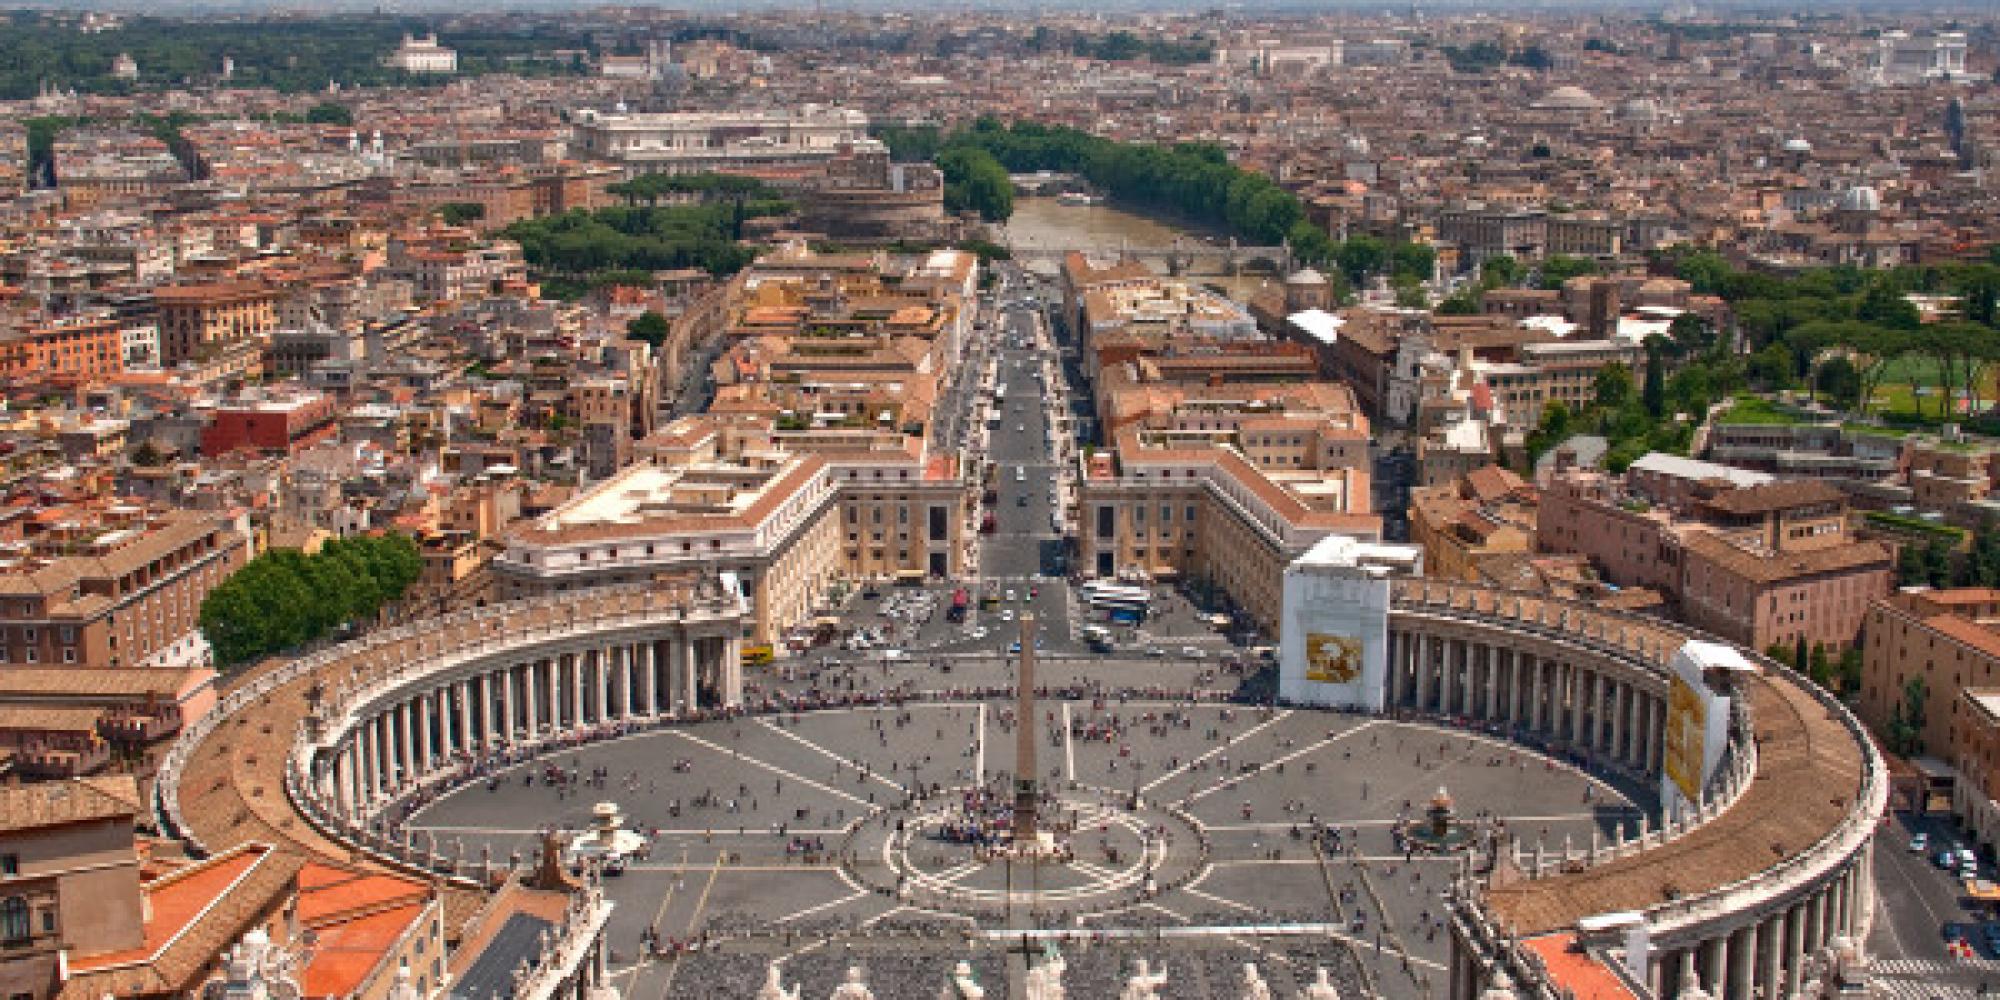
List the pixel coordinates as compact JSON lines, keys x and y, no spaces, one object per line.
{"x":1921,"y":989}
{"x":1935,"y":967}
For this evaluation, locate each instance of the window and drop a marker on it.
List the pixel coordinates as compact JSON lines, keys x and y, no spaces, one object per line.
{"x":10,"y":864}
{"x":14,"y":919}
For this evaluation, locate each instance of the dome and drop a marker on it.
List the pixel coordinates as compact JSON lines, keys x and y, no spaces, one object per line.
{"x":1640,"y":109}
{"x":1797,"y":146}
{"x":1569,"y":98}
{"x":1861,"y":198}
{"x":1305,"y":276}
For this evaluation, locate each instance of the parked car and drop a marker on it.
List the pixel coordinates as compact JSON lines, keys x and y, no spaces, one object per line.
{"x":1920,"y":844}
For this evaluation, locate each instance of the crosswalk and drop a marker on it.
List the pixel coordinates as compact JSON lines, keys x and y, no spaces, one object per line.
{"x":1934,"y":979}
{"x":1935,"y":967}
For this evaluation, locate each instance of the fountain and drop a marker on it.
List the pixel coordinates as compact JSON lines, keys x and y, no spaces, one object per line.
{"x":1441,"y":829}
{"x":608,"y":842}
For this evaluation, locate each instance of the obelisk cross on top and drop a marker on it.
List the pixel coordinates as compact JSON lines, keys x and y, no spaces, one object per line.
{"x":1024,"y":738}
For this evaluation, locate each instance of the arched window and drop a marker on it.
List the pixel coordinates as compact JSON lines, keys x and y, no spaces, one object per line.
{"x":14,"y":918}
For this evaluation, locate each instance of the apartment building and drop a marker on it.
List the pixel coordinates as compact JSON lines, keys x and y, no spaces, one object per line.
{"x":1760,"y":562}
{"x":199,"y":322}
{"x":101,"y":584}
{"x":62,"y":350}
{"x":1461,"y":525}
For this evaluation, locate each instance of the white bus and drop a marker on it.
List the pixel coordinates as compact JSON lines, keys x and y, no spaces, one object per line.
{"x":1000,"y":392}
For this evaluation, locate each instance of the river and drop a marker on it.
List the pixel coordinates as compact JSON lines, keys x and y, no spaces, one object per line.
{"x":1041,"y":226}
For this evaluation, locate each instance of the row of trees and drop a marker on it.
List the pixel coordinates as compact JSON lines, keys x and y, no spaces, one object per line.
{"x":284,"y":598}
{"x":1938,"y":563}
{"x":1847,"y":331}
{"x":1194,"y":180}
{"x":579,"y":247}
{"x":1125,"y":46}
{"x":286,"y":53}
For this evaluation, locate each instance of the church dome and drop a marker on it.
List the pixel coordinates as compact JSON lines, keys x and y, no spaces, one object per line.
{"x":1569,"y":98}
{"x":1305,"y":276}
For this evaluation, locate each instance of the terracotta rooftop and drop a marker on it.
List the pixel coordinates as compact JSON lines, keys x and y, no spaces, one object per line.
{"x":52,"y":803}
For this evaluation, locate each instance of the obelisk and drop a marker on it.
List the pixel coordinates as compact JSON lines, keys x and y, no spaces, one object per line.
{"x":1024,"y":739}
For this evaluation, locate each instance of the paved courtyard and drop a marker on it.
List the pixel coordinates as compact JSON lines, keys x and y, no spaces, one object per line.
{"x":787,"y":825}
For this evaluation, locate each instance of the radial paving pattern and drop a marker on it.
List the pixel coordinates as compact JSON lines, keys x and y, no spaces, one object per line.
{"x":802,"y":828}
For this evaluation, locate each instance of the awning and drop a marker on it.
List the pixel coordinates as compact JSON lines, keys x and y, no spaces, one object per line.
{"x":1165,"y":572}
{"x":909,"y":574}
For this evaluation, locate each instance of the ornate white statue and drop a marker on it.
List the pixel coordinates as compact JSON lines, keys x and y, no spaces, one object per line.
{"x":1045,"y":980}
{"x":1145,"y":984}
{"x":1254,"y":987}
{"x":855,"y":988}
{"x":774,"y":985}
{"x":1322,"y":987}
{"x":962,"y":986}
{"x":258,"y":970}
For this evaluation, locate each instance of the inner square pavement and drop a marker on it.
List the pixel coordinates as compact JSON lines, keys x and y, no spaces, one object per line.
{"x":787,"y":824}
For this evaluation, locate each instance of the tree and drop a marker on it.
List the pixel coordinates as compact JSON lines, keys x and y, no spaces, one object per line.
{"x":1558,"y":268}
{"x":458,"y":213}
{"x":329,"y":113}
{"x":1820,"y":666}
{"x":283,"y":598}
{"x":1499,"y":272}
{"x":1937,"y":563}
{"x":1771,"y":367}
{"x":1362,"y":256}
{"x":1465,"y":303}
{"x":1613,"y":386}
{"x":650,"y":327}
{"x":1654,"y":395}
{"x":1907,"y":718}
{"x":1910,"y":568}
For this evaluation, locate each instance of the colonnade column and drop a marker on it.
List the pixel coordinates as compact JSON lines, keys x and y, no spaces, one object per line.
{"x":406,"y":739}
{"x":447,"y":715}
{"x":1770,"y":954}
{"x":510,"y":692}
{"x":732,"y":670}
{"x":1795,"y":948}
{"x":1399,"y":643}
{"x":1656,"y":728}
{"x":686,"y":652}
{"x":1742,"y":962}
{"x":621,"y":662}
{"x":649,"y":679}
{"x":555,"y":692}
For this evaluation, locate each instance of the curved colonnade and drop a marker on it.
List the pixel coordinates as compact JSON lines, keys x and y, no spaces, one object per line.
{"x":308,"y":754}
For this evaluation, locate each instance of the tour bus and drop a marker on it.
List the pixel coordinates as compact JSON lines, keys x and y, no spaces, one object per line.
{"x":1092,"y":589}
{"x":1124,"y":610}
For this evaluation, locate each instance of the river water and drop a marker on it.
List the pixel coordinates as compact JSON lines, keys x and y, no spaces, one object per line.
{"x":1042,"y":227}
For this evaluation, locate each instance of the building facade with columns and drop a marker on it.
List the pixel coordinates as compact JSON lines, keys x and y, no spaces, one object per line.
{"x":781,"y":519}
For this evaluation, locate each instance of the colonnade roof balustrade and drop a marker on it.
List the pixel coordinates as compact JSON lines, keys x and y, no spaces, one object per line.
{"x":223,"y":782}
{"x":1816,"y":795}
